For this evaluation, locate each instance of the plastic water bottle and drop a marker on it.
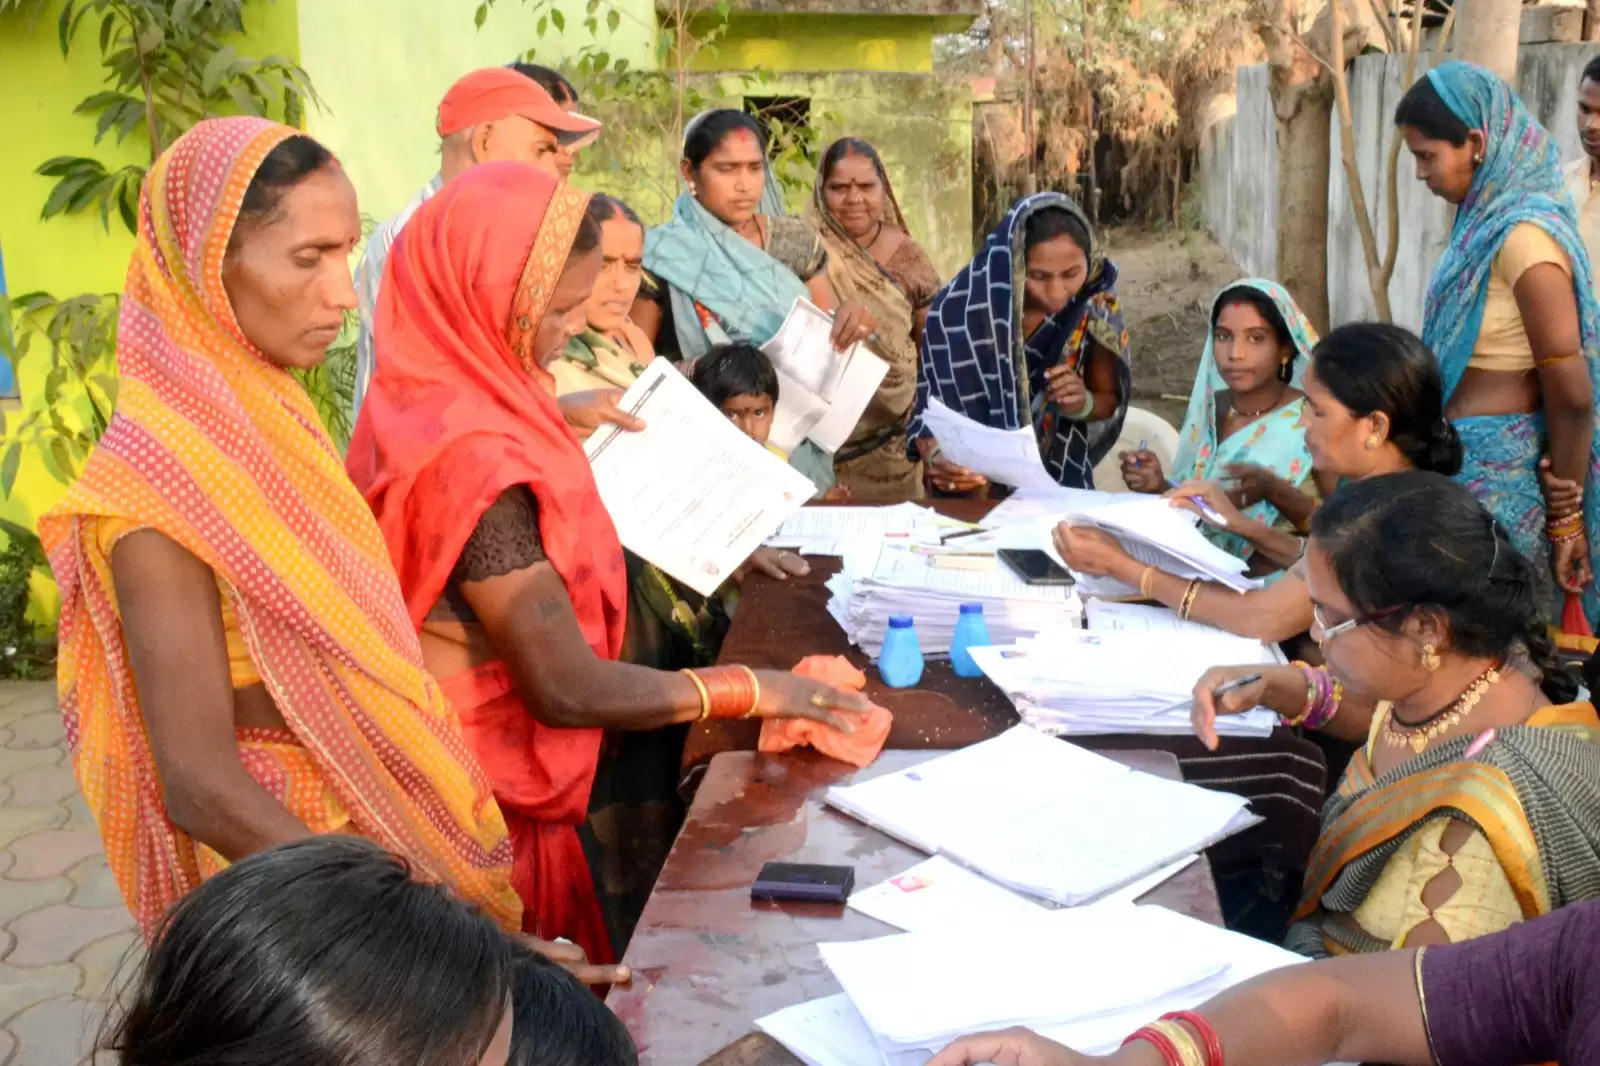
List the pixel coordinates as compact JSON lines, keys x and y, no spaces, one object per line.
{"x":971,"y":632}
{"x":900,"y":662}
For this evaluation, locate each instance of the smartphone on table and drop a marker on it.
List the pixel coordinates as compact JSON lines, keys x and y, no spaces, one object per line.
{"x":1034,"y":566}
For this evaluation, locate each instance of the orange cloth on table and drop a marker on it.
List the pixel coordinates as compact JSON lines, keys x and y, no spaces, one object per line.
{"x":858,"y":748}
{"x":223,"y":452}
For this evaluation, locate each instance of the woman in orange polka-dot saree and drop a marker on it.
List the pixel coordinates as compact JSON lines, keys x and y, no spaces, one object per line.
{"x":217,"y":448}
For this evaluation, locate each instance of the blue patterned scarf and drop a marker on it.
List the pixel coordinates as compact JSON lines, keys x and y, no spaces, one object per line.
{"x":976,"y":361}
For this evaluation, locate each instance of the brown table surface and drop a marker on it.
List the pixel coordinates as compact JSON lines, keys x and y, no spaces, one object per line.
{"x":707,"y":961}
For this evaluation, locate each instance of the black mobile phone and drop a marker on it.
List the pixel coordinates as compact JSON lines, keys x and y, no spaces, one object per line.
{"x":1034,"y":566}
{"x":808,"y":882}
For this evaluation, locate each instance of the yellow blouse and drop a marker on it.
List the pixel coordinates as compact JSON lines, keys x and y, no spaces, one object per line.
{"x":1484,"y":903}
{"x":1502,"y":340}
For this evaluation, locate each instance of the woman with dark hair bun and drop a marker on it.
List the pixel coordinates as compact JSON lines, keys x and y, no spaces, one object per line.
{"x":327,"y":950}
{"x":1030,"y":333}
{"x":1372,"y":405}
{"x":1512,"y":315}
{"x":873,"y":258}
{"x":1475,"y":801}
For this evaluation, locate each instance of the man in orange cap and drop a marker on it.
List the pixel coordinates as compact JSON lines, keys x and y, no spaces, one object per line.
{"x":490,"y":115}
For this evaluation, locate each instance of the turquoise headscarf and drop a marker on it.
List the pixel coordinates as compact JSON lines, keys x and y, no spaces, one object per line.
{"x":706,"y":262}
{"x":1274,"y":441}
{"x":1518,"y":181}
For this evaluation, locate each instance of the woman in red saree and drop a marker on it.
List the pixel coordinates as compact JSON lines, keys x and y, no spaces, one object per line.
{"x":509,"y":563}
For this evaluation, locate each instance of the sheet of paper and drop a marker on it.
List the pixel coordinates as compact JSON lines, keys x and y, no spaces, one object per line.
{"x":1154,"y":532}
{"x":690,"y":493}
{"x":1138,"y":618}
{"x":915,"y":990}
{"x":863,"y":373}
{"x":1006,"y":456}
{"x":802,"y":350}
{"x":938,"y":894}
{"x":796,"y":414}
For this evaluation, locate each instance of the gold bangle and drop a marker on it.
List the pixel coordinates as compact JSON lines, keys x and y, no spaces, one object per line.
{"x":1183,"y":1042}
{"x":705,"y":696}
{"x":1147,"y":582}
{"x":755,"y":685}
{"x":1189,"y":595}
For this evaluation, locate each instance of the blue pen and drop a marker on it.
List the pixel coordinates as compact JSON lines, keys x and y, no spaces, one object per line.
{"x":1139,"y":455}
{"x":1209,"y":511}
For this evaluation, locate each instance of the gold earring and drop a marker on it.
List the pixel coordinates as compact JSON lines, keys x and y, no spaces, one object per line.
{"x":1430,"y":658}
{"x":1477,"y":160}
{"x":1372,"y":442}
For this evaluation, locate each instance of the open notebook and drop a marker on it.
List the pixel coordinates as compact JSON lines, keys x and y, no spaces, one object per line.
{"x":1044,"y":817}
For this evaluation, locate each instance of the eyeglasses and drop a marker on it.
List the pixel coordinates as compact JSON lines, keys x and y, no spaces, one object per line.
{"x":1329,"y":632}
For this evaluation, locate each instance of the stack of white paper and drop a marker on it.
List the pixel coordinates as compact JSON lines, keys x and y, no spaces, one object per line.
{"x":844,"y":531}
{"x":905,"y":580}
{"x":821,"y":391}
{"x":1130,"y":672}
{"x":1004,"y":456}
{"x":1043,"y":816}
{"x":1093,"y":978}
{"x":1153,"y":531}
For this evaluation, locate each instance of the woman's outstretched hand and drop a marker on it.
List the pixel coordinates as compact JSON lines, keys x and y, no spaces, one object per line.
{"x":785,"y":695}
{"x":1009,"y":1047}
{"x":587,"y":411}
{"x":1141,"y":471}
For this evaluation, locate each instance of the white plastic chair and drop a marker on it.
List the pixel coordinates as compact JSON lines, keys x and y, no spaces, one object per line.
{"x":1140,"y":425}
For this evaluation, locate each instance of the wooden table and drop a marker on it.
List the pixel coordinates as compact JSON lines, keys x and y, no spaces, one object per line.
{"x":780,"y":622}
{"x":707,"y":961}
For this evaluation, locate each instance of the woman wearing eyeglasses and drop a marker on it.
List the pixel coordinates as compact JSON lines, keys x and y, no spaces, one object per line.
{"x":1475,"y":802}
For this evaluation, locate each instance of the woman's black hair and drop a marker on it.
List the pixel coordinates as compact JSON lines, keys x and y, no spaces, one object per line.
{"x":609,"y":208}
{"x":1424,"y":110}
{"x":848,"y":146}
{"x":558,"y":1022}
{"x":288,"y":164}
{"x":326,"y":950}
{"x":730,"y":370}
{"x":587,"y":239}
{"x":1373,"y":366}
{"x":560,"y":88}
{"x":1264,"y":306}
{"x":709,"y":133}
{"x":1051,"y":222}
{"x":1418,"y":540}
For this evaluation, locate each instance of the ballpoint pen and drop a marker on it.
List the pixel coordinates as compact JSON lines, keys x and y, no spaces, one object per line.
{"x":1221,"y":690}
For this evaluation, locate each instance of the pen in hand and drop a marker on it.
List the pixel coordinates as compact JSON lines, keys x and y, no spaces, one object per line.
{"x":1217,"y":693}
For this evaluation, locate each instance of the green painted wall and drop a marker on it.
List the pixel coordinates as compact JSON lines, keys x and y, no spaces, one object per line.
{"x":381,"y":79}
{"x":817,"y":43}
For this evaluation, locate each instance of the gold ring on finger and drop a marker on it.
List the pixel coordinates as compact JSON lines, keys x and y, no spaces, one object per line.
{"x":819,"y":700}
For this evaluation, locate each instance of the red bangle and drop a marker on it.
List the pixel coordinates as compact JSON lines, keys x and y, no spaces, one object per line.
{"x":731,"y":690}
{"x":1208,"y":1033}
{"x":1169,"y":1051}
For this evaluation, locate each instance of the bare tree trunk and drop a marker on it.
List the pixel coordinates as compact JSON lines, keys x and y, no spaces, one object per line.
{"x":1302,"y":101}
{"x":1377,"y":282}
{"x":1591,"y":21}
{"x":1487,"y":34}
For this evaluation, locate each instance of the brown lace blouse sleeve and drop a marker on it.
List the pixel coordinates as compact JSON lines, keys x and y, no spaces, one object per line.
{"x":505,"y":540}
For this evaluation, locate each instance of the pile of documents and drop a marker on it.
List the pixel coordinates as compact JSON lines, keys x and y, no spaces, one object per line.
{"x":1044,"y":817}
{"x":1153,"y":531}
{"x":1131,"y":671}
{"x":1093,"y":975}
{"x":908,"y":579}
{"x":858,"y":532}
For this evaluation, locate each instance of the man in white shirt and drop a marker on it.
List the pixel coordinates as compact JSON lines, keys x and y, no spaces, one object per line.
{"x":1583,"y":176}
{"x":490,"y":115}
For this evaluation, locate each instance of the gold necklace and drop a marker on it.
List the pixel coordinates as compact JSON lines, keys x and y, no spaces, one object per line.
{"x":1398,"y":735}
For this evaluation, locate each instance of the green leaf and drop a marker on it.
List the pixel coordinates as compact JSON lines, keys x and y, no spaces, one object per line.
{"x":58,"y":459}
{"x":107,"y":25}
{"x":9,"y":464}
{"x":61,"y":196}
{"x":216,"y":69}
{"x":59,"y":166}
{"x":64,"y":26}
{"x":613,"y":19}
{"x":559,"y":19}
{"x":480,"y":16}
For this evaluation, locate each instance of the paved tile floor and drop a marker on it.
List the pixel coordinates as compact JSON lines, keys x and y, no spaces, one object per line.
{"x":66,"y":940}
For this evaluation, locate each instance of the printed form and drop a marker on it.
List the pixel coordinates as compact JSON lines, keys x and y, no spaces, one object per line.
{"x":689,"y":492}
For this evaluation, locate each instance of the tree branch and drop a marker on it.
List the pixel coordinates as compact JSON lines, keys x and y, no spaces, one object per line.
{"x":1352,"y":170}
{"x":1391,"y":254}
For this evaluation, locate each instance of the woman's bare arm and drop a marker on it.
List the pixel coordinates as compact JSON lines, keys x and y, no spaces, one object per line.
{"x":172,"y":621}
{"x":1550,"y":317}
{"x":1100,"y":378}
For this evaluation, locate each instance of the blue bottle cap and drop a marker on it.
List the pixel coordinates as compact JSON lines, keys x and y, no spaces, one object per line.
{"x":972,"y":608}
{"x":900,"y":621}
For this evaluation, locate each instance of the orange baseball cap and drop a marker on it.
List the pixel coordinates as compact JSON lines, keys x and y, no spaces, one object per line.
{"x":498,"y":92}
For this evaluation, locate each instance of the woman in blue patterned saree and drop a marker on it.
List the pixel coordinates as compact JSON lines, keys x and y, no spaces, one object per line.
{"x":1029,"y":333}
{"x":1512,"y":316}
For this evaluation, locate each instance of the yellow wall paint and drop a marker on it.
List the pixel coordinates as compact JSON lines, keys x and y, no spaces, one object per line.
{"x":40,"y":89}
{"x":782,"y":43}
{"x":382,"y":77}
